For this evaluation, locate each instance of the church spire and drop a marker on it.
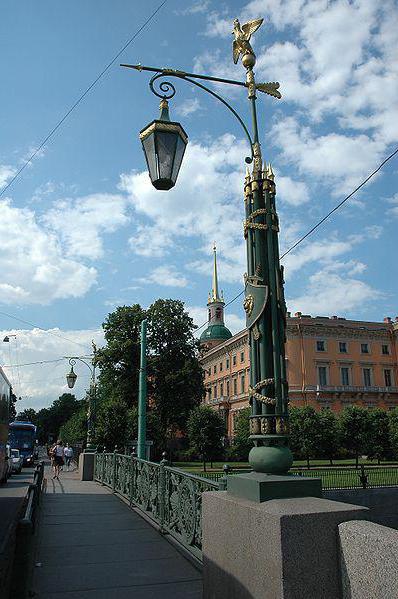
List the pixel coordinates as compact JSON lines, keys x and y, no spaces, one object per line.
{"x":215,"y":295}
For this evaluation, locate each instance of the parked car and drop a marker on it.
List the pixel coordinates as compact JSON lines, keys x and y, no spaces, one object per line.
{"x":16,"y":461}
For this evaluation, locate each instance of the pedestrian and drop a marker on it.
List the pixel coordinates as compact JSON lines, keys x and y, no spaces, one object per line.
{"x":58,"y":454}
{"x":68,"y":455}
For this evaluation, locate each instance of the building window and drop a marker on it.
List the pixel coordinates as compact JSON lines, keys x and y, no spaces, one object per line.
{"x":235,"y":387}
{"x":345,"y":376}
{"x":233,"y":360}
{"x":215,"y":368}
{"x":242,"y":383}
{"x":215,"y":392}
{"x":342,"y":347}
{"x":385,"y":350}
{"x":322,"y":376}
{"x":242,"y":356}
{"x":387,"y":378}
{"x":220,"y":366}
{"x":320,"y":346}
{"x":221,"y":390}
{"x":367,"y":379}
{"x":227,"y":363}
{"x":364,"y":348}
{"x":227,"y":388}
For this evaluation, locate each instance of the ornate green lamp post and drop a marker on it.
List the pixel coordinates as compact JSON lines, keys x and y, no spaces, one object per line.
{"x":71,"y":378}
{"x":264,"y":301}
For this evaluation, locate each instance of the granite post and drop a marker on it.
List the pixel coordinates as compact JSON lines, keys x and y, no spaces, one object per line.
{"x":277,"y":549}
{"x":86,"y":466}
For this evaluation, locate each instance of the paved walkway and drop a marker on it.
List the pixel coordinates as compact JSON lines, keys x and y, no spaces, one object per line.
{"x":90,"y":545}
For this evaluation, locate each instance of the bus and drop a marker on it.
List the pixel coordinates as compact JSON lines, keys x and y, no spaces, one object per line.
{"x":5,"y":402}
{"x":22,"y":436}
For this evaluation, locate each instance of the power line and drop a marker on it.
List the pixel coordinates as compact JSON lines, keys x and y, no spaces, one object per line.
{"x":78,"y":101}
{"x":35,"y":326}
{"x":33,"y":363}
{"x":318,"y":224}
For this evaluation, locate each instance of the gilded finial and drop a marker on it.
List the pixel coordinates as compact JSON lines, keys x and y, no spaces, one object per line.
{"x":270,"y":173}
{"x":241,"y":45}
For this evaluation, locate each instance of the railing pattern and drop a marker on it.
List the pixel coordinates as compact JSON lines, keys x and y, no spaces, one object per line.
{"x":171,"y":497}
{"x":365,"y":477}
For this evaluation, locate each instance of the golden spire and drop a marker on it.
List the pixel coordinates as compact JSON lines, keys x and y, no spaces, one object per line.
{"x":215,"y":295}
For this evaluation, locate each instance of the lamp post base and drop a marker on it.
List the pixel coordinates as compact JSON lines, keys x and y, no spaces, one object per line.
{"x":86,"y":465}
{"x":259,"y":487}
{"x":271,"y":459}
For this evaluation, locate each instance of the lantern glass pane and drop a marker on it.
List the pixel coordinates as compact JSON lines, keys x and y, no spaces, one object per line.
{"x":166,"y":147}
{"x":178,"y":157}
{"x":149,"y":150}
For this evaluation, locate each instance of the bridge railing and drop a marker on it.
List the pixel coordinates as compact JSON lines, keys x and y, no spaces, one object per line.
{"x":168,"y":496}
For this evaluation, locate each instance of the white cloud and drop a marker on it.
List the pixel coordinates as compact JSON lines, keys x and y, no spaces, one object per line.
{"x":6,"y":172}
{"x":394,"y":201}
{"x":40,"y":384}
{"x":33,"y":267}
{"x":80,"y":222}
{"x":195,"y":8}
{"x":207,"y":202}
{"x":167,"y":276}
{"x":188,"y":107}
{"x":328,"y":292}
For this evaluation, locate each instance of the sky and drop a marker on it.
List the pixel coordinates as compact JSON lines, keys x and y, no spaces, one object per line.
{"x":82,"y":230}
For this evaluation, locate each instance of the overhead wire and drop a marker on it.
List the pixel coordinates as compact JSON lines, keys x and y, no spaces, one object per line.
{"x":79,"y":100}
{"x":323,"y":219}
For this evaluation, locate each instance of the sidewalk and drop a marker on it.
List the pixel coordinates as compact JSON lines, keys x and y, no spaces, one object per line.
{"x":90,"y":545}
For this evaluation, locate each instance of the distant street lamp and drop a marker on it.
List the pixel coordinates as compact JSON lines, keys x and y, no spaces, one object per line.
{"x":71,"y":378}
{"x":164,"y":145}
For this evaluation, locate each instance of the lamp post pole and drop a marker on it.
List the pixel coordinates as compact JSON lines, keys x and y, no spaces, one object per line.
{"x":71,"y":379}
{"x":142,"y":396}
{"x":264,"y":302}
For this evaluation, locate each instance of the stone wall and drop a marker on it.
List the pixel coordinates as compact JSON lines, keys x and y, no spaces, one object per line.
{"x":368,"y":560}
{"x":382,"y":503}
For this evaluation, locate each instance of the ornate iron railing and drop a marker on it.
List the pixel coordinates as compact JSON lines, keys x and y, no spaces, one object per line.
{"x":170,"y":497}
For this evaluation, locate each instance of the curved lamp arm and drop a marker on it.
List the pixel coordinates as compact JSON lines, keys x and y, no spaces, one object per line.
{"x":72,"y":362}
{"x":165,"y":86}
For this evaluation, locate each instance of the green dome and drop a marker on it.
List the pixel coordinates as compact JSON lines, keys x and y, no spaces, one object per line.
{"x":215,"y":331}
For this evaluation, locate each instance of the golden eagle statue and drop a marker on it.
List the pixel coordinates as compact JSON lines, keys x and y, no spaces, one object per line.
{"x":241,"y":44}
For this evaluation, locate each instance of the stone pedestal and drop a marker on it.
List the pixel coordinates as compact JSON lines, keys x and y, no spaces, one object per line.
{"x":278,"y":549}
{"x":86,"y":466}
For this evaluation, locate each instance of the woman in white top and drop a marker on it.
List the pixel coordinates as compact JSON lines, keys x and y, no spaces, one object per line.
{"x":58,"y":455}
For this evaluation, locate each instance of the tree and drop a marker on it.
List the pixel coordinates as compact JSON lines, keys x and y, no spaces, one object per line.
{"x":27,"y":415}
{"x":241,"y":444}
{"x":49,"y":420}
{"x":75,"y":429}
{"x":329,"y":435}
{"x":354,"y":427}
{"x":304,"y":432}
{"x":175,"y":377}
{"x":393,"y":429}
{"x":378,"y":441}
{"x":205,"y":431}
{"x":120,"y":358}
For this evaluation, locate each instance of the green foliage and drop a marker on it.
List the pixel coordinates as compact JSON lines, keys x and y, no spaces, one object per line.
{"x":175,"y":377}
{"x":27,"y":415}
{"x":205,"y":431}
{"x":393,"y":429}
{"x":304,"y":432}
{"x":378,"y":440}
{"x":241,"y":444}
{"x":355,"y":428}
{"x":119,"y":360}
{"x":75,"y":429}
{"x":329,"y":435}
{"x":49,"y":420}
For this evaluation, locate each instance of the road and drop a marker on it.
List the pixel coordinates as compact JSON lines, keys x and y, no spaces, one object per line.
{"x":11,"y":497}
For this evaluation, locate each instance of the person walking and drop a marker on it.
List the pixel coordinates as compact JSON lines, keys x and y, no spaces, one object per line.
{"x":58,"y":454}
{"x":68,"y":454}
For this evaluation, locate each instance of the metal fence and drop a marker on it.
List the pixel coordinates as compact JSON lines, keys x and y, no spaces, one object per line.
{"x":171,"y":497}
{"x":365,"y":477}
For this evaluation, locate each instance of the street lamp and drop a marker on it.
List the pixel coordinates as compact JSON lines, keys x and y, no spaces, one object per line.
{"x":264,"y":302}
{"x":164,"y":144}
{"x":71,"y":378}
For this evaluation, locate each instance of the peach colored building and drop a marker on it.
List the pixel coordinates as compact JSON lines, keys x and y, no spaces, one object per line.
{"x":331,"y":362}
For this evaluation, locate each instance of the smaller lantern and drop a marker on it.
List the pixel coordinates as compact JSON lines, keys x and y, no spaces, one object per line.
{"x":164,"y":144}
{"x":71,"y":378}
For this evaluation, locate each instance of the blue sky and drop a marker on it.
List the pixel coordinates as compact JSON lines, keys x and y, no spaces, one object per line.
{"x":82,"y":230}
